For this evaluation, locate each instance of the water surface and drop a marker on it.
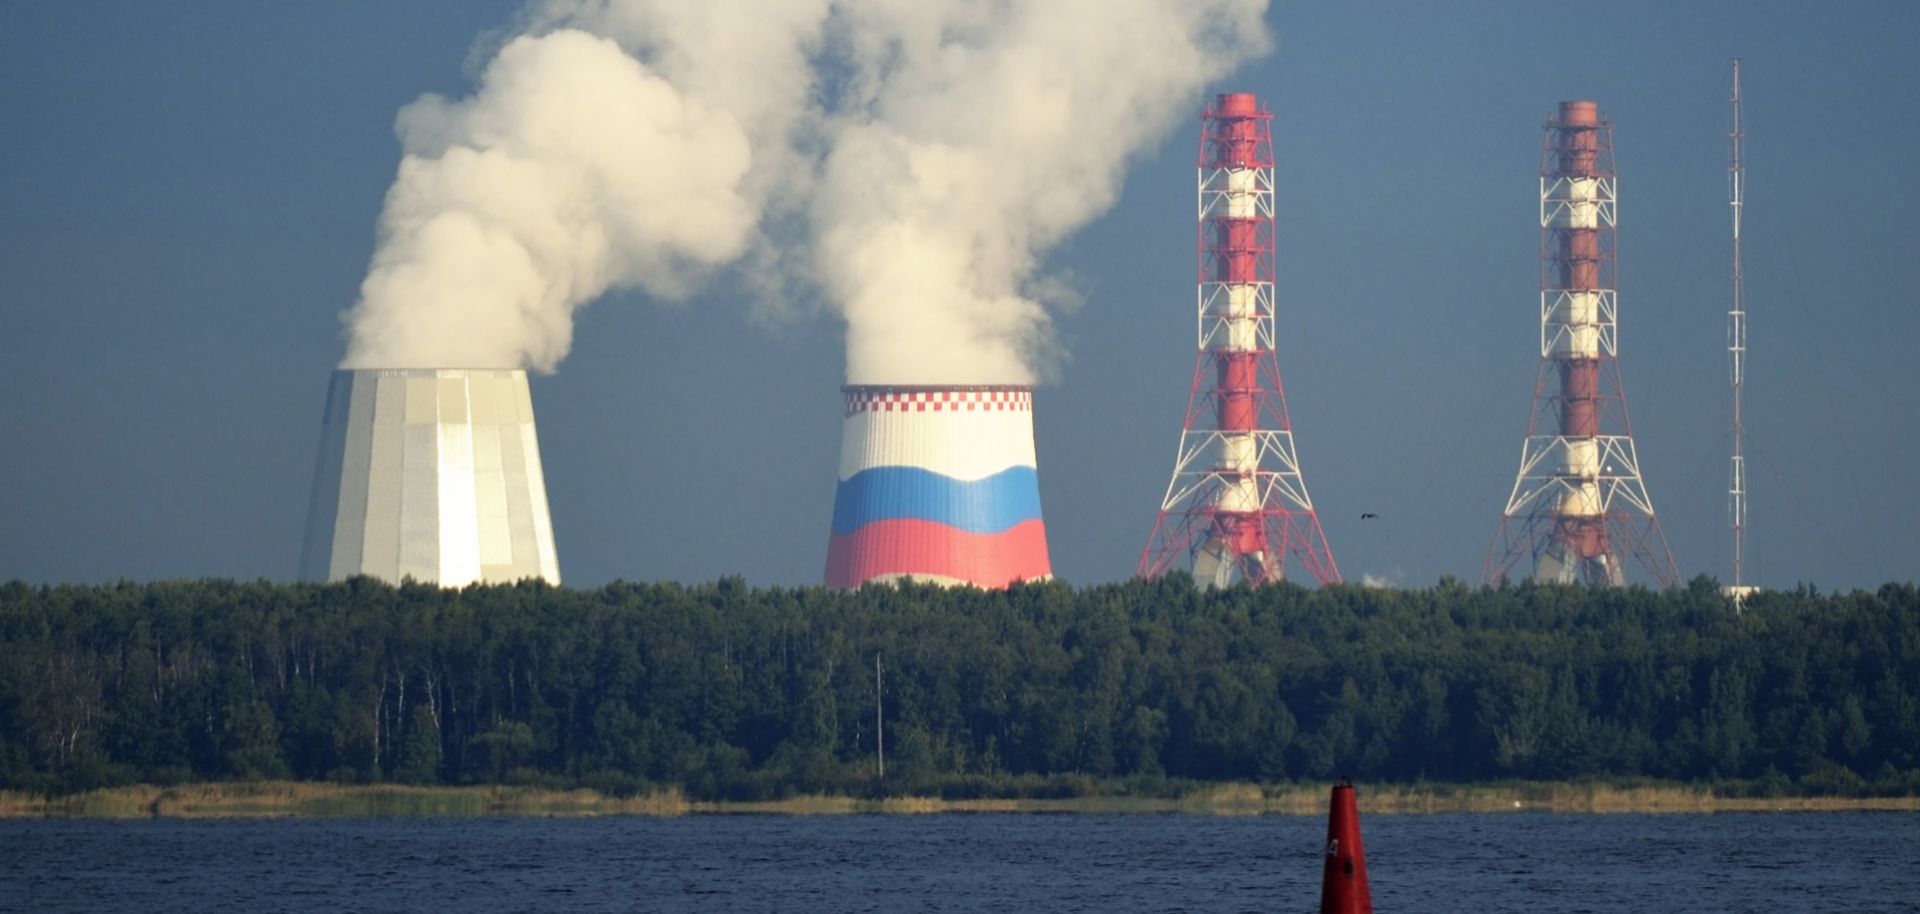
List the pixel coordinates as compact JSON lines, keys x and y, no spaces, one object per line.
{"x":1523,"y":862}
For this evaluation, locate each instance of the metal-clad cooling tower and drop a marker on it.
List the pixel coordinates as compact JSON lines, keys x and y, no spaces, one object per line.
{"x":937,"y":484}
{"x":429,"y":474}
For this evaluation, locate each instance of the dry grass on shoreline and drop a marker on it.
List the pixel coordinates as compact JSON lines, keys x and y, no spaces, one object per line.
{"x":273,"y":799}
{"x":292,"y":799}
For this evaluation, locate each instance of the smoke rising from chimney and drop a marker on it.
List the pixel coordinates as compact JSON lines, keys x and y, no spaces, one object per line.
{"x":986,"y":134}
{"x":910,"y":162}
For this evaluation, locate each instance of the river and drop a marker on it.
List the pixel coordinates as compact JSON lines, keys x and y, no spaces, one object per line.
{"x":1536,"y":863}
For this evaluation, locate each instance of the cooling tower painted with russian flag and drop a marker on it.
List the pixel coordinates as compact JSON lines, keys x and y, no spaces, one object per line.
{"x":937,"y":484}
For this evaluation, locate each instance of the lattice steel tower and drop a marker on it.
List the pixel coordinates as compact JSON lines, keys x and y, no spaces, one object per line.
{"x":1737,"y":351}
{"x":1237,"y":506}
{"x":1579,"y":507}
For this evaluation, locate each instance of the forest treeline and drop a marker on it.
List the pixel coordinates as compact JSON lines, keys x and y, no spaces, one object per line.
{"x":732,"y":692}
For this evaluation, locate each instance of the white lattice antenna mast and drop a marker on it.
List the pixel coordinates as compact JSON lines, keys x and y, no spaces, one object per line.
{"x":1737,"y":352}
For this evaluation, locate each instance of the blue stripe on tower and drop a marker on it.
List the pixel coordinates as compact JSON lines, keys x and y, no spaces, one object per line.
{"x":991,"y":505}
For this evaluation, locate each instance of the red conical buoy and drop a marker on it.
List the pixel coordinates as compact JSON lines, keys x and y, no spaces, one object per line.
{"x":1343,"y":887}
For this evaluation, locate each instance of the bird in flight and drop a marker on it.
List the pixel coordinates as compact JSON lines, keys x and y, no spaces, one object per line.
{"x":1368,"y":516}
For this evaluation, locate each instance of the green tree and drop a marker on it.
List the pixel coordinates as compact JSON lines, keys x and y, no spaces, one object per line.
{"x":420,"y":752}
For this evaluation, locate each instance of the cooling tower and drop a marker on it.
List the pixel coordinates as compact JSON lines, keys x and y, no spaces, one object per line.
{"x":937,"y":484}
{"x":429,"y":474}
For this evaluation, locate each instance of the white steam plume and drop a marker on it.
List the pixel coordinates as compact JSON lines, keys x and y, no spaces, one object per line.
{"x":913,"y":159}
{"x":576,"y":167}
{"x":988,"y":133}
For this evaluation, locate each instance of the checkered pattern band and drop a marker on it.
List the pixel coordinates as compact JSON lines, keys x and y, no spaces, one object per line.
{"x":935,"y":401}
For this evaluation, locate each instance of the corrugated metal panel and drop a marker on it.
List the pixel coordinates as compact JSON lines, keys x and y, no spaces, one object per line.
{"x":459,"y":508}
{"x":323,"y":505}
{"x":546,"y":558}
{"x":419,"y":521}
{"x":490,"y":487}
{"x":517,"y":484}
{"x":350,"y":529}
{"x":380,"y":530}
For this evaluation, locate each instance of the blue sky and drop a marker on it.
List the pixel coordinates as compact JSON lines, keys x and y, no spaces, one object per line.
{"x":188,"y":194}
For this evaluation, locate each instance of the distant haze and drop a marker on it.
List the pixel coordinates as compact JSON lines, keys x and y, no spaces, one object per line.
{"x":904,"y":164}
